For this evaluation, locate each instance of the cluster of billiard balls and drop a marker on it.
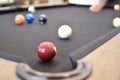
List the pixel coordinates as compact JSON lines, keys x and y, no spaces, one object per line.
{"x":46,"y":51}
{"x":29,"y":18}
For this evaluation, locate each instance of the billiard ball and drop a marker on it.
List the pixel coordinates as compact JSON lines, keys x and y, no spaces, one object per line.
{"x":29,"y":18}
{"x":46,"y":51}
{"x":19,"y":19}
{"x":31,"y":9}
{"x":64,"y":32}
{"x":117,"y":7}
{"x":116,"y":22}
{"x":42,"y":19}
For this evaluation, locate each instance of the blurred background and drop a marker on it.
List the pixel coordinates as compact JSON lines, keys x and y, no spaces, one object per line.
{"x":28,"y":2}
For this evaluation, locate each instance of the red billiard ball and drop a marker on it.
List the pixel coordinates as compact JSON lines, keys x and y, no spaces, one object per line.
{"x":46,"y":51}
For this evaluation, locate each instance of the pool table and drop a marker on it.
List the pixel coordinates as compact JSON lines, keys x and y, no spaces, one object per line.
{"x":18,"y":43}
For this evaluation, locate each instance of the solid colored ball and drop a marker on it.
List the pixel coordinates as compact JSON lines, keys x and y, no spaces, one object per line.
{"x":31,"y":9}
{"x":42,"y":19}
{"x":19,"y":19}
{"x":117,"y":7}
{"x":64,"y":32}
{"x":116,"y":22}
{"x":29,"y":18}
{"x":46,"y":51}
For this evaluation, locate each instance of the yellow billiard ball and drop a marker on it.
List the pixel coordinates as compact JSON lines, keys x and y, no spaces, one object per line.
{"x":117,"y":7}
{"x":116,"y":22}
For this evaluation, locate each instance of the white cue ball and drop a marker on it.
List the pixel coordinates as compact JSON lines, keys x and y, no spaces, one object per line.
{"x":64,"y":31}
{"x":116,"y":22}
{"x":31,"y":9}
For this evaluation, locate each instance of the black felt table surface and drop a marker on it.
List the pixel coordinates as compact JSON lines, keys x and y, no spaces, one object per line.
{"x":22,"y":40}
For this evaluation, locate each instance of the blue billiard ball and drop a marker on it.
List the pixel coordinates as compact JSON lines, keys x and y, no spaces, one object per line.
{"x":42,"y":19}
{"x":29,"y":18}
